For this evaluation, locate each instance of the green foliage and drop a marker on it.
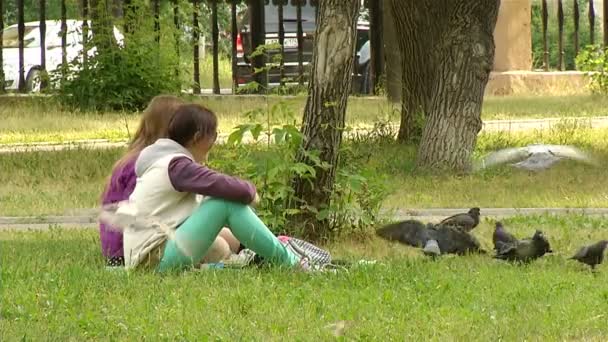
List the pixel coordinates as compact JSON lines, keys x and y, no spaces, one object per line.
{"x":594,"y":60}
{"x":273,"y":64}
{"x":356,"y":197}
{"x":122,"y":76}
{"x":553,"y":34}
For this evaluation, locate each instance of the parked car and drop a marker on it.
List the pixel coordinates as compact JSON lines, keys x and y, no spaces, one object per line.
{"x":31,"y":50}
{"x":290,"y":59}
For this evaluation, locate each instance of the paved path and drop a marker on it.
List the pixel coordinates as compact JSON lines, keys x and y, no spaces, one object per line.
{"x":489,"y":125}
{"x":87,"y":218}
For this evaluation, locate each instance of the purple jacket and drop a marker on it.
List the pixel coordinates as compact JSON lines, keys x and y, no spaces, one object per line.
{"x":185,"y":176}
{"x":120,"y":188}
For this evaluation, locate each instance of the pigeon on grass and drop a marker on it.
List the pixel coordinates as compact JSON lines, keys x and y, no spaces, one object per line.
{"x":591,"y":255}
{"x":536,"y":157}
{"x":501,"y":236}
{"x":525,"y":250}
{"x":434,"y":239}
{"x":464,"y":221}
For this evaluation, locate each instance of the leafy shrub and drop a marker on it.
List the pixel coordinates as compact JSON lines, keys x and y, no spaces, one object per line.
{"x":122,"y":76}
{"x":270,"y":164}
{"x":593,"y":59}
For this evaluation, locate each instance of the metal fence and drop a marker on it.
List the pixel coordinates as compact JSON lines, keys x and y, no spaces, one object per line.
{"x":254,"y":27}
{"x":577,"y":7}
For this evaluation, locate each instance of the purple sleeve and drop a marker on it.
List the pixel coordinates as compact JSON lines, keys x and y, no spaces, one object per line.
{"x":188,"y":176}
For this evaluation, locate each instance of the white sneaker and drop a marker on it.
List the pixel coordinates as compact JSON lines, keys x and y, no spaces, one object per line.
{"x":242,"y":259}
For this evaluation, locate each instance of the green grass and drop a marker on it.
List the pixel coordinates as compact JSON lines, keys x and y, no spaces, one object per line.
{"x":42,"y":120}
{"x":37,"y":183}
{"x":55,"y":288}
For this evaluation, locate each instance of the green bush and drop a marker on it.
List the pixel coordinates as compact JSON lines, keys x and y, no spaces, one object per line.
{"x":123,"y":76}
{"x":270,"y":163}
{"x":594,"y":60}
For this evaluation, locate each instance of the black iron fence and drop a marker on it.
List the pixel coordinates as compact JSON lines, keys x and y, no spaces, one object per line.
{"x":248,"y":29}
{"x":558,"y":50}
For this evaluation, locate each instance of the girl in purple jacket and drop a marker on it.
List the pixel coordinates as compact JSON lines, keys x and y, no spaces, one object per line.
{"x":154,"y":125}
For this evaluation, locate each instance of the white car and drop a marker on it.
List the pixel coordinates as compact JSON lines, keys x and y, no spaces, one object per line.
{"x":31,"y":50}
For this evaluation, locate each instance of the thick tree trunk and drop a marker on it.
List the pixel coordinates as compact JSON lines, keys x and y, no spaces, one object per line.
{"x":323,"y":123}
{"x":447,"y":49}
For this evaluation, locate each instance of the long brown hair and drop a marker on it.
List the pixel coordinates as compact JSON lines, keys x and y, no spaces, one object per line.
{"x":153,"y":125}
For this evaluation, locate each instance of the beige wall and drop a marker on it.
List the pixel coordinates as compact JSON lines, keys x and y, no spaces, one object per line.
{"x":513,"y":37}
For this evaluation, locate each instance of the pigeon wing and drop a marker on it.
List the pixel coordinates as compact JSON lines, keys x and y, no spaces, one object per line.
{"x":459,"y":219}
{"x":571,"y":152}
{"x":581,"y":253}
{"x":507,"y":155}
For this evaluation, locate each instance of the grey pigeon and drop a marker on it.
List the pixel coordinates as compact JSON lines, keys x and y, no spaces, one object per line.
{"x":537,"y":157}
{"x":524,"y":250}
{"x":414,"y":233}
{"x":452,"y":240}
{"x":410,"y":232}
{"x":591,"y":255}
{"x":465,"y":221}
{"x":501,"y":236}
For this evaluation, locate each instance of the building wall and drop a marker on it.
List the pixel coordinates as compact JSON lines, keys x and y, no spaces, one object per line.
{"x":513,"y":36}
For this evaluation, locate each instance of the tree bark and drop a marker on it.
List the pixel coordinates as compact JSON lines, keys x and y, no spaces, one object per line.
{"x":323,"y":122}
{"x":447,"y":49}
{"x":392,"y":55}
{"x":102,"y":25}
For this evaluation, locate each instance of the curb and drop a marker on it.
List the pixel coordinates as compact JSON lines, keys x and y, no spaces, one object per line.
{"x":87,"y":221}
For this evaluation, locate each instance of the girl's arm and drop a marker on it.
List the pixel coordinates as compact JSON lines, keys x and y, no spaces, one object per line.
{"x":188,"y":176}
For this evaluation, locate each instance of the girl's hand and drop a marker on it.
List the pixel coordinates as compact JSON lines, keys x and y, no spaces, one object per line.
{"x":256,"y":200}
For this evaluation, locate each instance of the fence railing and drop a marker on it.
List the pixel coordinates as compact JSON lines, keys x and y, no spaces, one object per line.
{"x":255,"y":28}
{"x":554,"y":12}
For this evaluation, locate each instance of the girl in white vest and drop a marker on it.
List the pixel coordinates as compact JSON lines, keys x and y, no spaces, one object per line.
{"x":170,"y":183}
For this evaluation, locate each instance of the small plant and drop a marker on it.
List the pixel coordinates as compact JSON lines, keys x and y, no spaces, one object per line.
{"x":593,"y":59}
{"x":356,"y":198}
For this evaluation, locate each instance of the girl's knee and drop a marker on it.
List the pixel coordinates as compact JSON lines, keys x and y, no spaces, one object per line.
{"x":219,"y":250}
{"x":232,"y":241}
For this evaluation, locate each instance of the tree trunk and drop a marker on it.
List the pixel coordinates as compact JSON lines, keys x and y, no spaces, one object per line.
{"x":323,"y":122}
{"x":102,"y":25}
{"x":447,"y":49}
{"x":392,"y":55}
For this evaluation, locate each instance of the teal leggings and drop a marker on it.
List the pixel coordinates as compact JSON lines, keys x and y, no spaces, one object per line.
{"x":200,"y":230}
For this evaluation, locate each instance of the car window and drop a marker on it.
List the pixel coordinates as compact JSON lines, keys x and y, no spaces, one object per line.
{"x":10,"y":37}
{"x":290,"y":13}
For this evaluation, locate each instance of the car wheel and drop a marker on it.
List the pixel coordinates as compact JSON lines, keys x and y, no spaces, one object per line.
{"x":33,"y":82}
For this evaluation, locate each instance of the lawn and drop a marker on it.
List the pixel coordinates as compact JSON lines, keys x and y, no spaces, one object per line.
{"x":55,"y":288}
{"x":42,"y":120}
{"x":38,"y":183}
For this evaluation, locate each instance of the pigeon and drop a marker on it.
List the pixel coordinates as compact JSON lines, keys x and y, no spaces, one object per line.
{"x":536,"y":157}
{"x":501,"y":236}
{"x":410,"y":232}
{"x":454,"y":241}
{"x":465,"y":221}
{"x":448,"y":239}
{"x":591,"y":255}
{"x":524,"y":250}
